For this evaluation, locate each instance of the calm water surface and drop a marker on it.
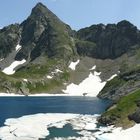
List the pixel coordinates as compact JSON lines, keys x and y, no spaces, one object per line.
{"x":12,"y":107}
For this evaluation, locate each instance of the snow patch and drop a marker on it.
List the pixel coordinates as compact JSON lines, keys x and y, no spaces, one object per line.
{"x":1,"y":59}
{"x":49,"y":77}
{"x":10,"y":70}
{"x":113,"y":76}
{"x":56,"y":71}
{"x":93,"y":68}
{"x":18,"y":47}
{"x":73,"y":65}
{"x":25,"y":80}
{"x":92,"y":85}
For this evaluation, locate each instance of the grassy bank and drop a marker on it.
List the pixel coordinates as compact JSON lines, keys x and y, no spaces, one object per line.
{"x":118,"y":114}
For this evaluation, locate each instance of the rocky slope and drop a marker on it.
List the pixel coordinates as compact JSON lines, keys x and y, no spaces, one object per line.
{"x":125,"y":93}
{"x":124,"y":113}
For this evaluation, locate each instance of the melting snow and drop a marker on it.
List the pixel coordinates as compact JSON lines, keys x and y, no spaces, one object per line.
{"x":73,"y":65}
{"x":10,"y":94}
{"x":93,"y":68}
{"x":92,"y":85}
{"x":56,"y":71}
{"x":132,"y":133}
{"x":33,"y":127}
{"x":18,"y":47}
{"x":25,"y":80}
{"x":49,"y":77}
{"x":1,"y":59}
{"x":10,"y":70}
{"x":113,"y":76}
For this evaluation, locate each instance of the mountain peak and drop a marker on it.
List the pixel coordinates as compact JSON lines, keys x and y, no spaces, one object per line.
{"x":40,"y":5}
{"x":40,"y":9}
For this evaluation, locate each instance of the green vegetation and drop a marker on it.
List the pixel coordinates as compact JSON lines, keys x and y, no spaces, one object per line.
{"x":37,"y":82}
{"x":85,"y":43}
{"x":40,"y":87}
{"x":35,"y":70}
{"x":65,"y":76}
{"x":113,"y":84}
{"x":120,"y":111}
{"x":47,"y":86}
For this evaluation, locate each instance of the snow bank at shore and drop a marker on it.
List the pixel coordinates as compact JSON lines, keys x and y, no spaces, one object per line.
{"x":9,"y":94}
{"x":132,"y":133}
{"x":91,"y":86}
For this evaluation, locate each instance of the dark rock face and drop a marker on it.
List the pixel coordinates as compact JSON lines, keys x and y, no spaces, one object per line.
{"x":9,"y":38}
{"x":86,"y":48}
{"x":135,"y":116}
{"x":112,"y":40}
{"x":107,"y":120}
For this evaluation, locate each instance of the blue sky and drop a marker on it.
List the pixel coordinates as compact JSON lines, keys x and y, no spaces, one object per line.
{"x":77,"y":13}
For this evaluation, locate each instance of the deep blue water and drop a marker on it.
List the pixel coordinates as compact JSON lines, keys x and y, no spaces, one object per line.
{"x":12,"y":107}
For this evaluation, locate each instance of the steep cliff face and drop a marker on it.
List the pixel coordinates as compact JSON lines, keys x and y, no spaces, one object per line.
{"x":111,"y":40}
{"x":9,"y":38}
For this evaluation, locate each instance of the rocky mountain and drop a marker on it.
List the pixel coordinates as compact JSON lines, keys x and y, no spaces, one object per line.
{"x":37,"y":35}
{"x":44,"y":33}
{"x":40,"y":49}
{"x":111,"y":40}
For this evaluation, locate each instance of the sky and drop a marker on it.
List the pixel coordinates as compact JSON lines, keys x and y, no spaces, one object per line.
{"x":77,"y":13}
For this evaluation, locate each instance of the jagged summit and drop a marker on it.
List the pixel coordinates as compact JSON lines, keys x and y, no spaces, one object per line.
{"x":42,"y":10}
{"x":125,"y":23}
{"x":39,"y":4}
{"x":112,"y":40}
